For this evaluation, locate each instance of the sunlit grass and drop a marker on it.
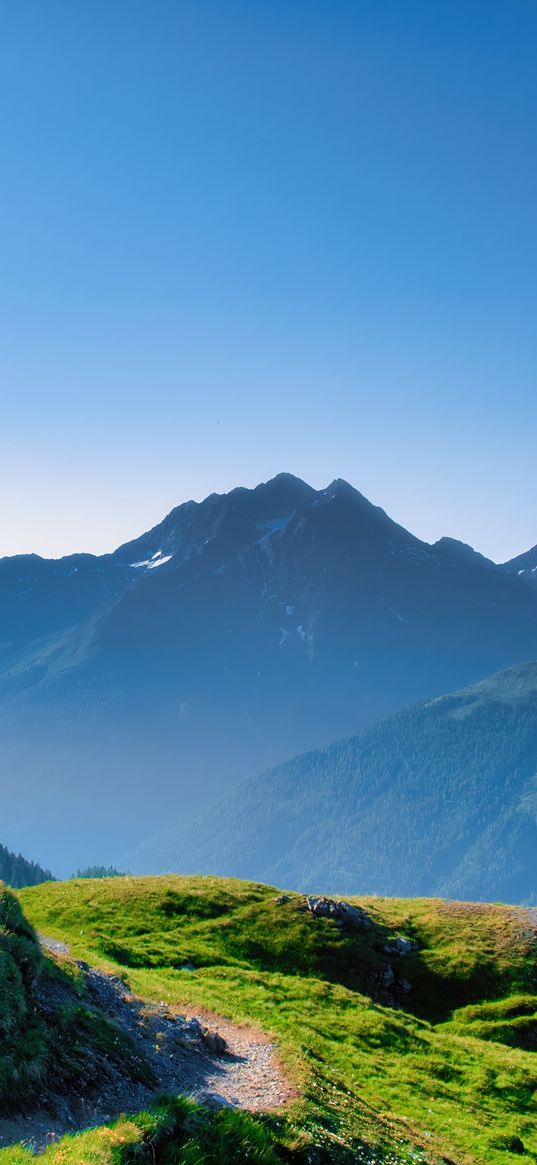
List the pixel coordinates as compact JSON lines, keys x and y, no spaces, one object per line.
{"x":403,"y":1081}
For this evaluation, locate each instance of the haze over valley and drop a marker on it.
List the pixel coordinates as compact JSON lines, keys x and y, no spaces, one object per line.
{"x":140,"y":687}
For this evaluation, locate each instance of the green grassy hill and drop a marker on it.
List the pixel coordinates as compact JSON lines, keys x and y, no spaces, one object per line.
{"x":428,"y":1061}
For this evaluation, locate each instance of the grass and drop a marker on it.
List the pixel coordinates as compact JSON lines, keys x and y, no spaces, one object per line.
{"x":433,"y":1080}
{"x":23,"y":1044}
{"x":71,"y":1042}
{"x":511,"y":1021}
{"x":174,"y":1131}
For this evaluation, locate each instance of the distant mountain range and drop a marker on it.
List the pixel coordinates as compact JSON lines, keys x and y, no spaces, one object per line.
{"x":139,"y":685}
{"x":439,"y":800}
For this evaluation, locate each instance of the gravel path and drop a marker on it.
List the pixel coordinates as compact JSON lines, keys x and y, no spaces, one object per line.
{"x":197,"y":1055}
{"x":53,"y":945}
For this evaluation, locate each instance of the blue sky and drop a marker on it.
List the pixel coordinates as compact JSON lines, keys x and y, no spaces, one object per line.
{"x":244,"y":237}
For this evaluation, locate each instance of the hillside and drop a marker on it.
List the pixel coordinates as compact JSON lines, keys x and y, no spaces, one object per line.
{"x":54,"y":1040}
{"x":16,"y":871}
{"x":238,"y":632}
{"x":524,"y":566}
{"x":439,"y":799}
{"x":423,"y":1056}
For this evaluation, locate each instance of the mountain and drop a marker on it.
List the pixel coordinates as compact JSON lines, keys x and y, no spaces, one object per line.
{"x":137,"y":686}
{"x":16,"y":871}
{"x":440,"y":799}
{"x":524,"y":566}
{"x":463,"y":552}
{"x":41,"y":598}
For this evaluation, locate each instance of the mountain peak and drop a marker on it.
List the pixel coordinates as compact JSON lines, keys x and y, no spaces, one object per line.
{"x":284,"y":478}
{"x":342,"y":490}
{"x":463,"y":551}
{"x":524,"y":565}
{"x":283,"y":484}
{"x":340,"y":486}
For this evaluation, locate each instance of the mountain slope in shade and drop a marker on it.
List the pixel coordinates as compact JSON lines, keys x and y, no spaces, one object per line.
{"x":239,"y":631}
{"x":441,"y":799}
{"x":524,"y":566}
{"x":16,"y":871}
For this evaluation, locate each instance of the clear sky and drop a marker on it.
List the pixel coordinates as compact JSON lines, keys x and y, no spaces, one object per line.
{"x":244,"y":237}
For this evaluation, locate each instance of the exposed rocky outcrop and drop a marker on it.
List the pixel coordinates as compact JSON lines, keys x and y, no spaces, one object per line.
{"x":400,"y":946}
{"x":350,"y":917}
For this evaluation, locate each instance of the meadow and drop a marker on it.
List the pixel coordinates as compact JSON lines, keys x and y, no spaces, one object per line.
{"x":441,"y":1069}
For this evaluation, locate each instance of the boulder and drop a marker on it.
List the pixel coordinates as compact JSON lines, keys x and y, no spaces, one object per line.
{"x":215,"y":1100}
{"x":399,"y":946}
{"x":214,"y":1041}
{"x":351,"y":917}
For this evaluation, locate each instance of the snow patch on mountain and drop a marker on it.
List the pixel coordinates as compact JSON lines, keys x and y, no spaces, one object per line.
{"x":157,"y":559}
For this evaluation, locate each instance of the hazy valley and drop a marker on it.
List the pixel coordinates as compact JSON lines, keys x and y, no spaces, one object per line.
{"x":144,"y":685}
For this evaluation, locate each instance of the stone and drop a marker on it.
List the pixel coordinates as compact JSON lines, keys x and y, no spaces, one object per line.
{"x":214,"y":1041}
{"x":282,"y":899}
{"x":218,"y":1101}
{"x":352,"y":917}
{"x":399,"y":946}
{"x":404,"y":945}
{"x":388,"y":976}
{"x":193,"y":1028}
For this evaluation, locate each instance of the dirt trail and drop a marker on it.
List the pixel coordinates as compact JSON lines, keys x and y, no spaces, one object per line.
{"x":186,"y":1055}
